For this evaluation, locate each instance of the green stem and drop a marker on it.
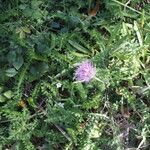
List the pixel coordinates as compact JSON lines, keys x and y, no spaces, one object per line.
{"x":98,"y":80}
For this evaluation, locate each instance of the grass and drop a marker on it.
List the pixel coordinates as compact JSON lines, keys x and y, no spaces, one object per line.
{"x":43,"y":107}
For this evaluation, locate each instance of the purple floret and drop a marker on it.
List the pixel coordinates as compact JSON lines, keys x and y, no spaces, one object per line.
{"x":85,"y":71}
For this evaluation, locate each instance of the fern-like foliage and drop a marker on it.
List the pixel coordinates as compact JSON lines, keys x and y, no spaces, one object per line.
{"x":42,"y":43}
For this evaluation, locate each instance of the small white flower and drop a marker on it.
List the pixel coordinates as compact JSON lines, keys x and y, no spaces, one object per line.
{"x":60,"y":105}
{"x":58,"y":85}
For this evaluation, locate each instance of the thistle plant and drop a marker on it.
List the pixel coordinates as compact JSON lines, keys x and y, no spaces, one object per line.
{"x":41,"y":107}
{"x":85,"y":72}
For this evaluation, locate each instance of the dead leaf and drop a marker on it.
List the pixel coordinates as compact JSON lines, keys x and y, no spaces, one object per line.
{"x":21,"y":103}
{"x":93,"y":11}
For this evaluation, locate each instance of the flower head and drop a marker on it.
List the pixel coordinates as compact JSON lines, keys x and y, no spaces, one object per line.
{"x":85,"y":71}
{"x":58,"y":85}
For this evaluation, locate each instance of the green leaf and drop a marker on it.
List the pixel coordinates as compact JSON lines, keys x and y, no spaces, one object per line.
{"x":81,"y":90}
{"x":18,"y":62}
{"x":11,"y":56}
{"x":136,"y":28}
{"x":38,"y":70}
{"x":2,"y":99}
{"x":78,"y":46}
{"x":8,"y":94}
{"x":79,"y":54}
{"x":26,"y":30}
{"x":11,"y":72}
{"x":31,"y":102}
{"x":1,"y":89}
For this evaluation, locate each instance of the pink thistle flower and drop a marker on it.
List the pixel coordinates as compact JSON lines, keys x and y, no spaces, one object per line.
{"x":85,"y":71}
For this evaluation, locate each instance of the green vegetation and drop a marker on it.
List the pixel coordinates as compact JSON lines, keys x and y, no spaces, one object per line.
{"x":41,"y":105}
